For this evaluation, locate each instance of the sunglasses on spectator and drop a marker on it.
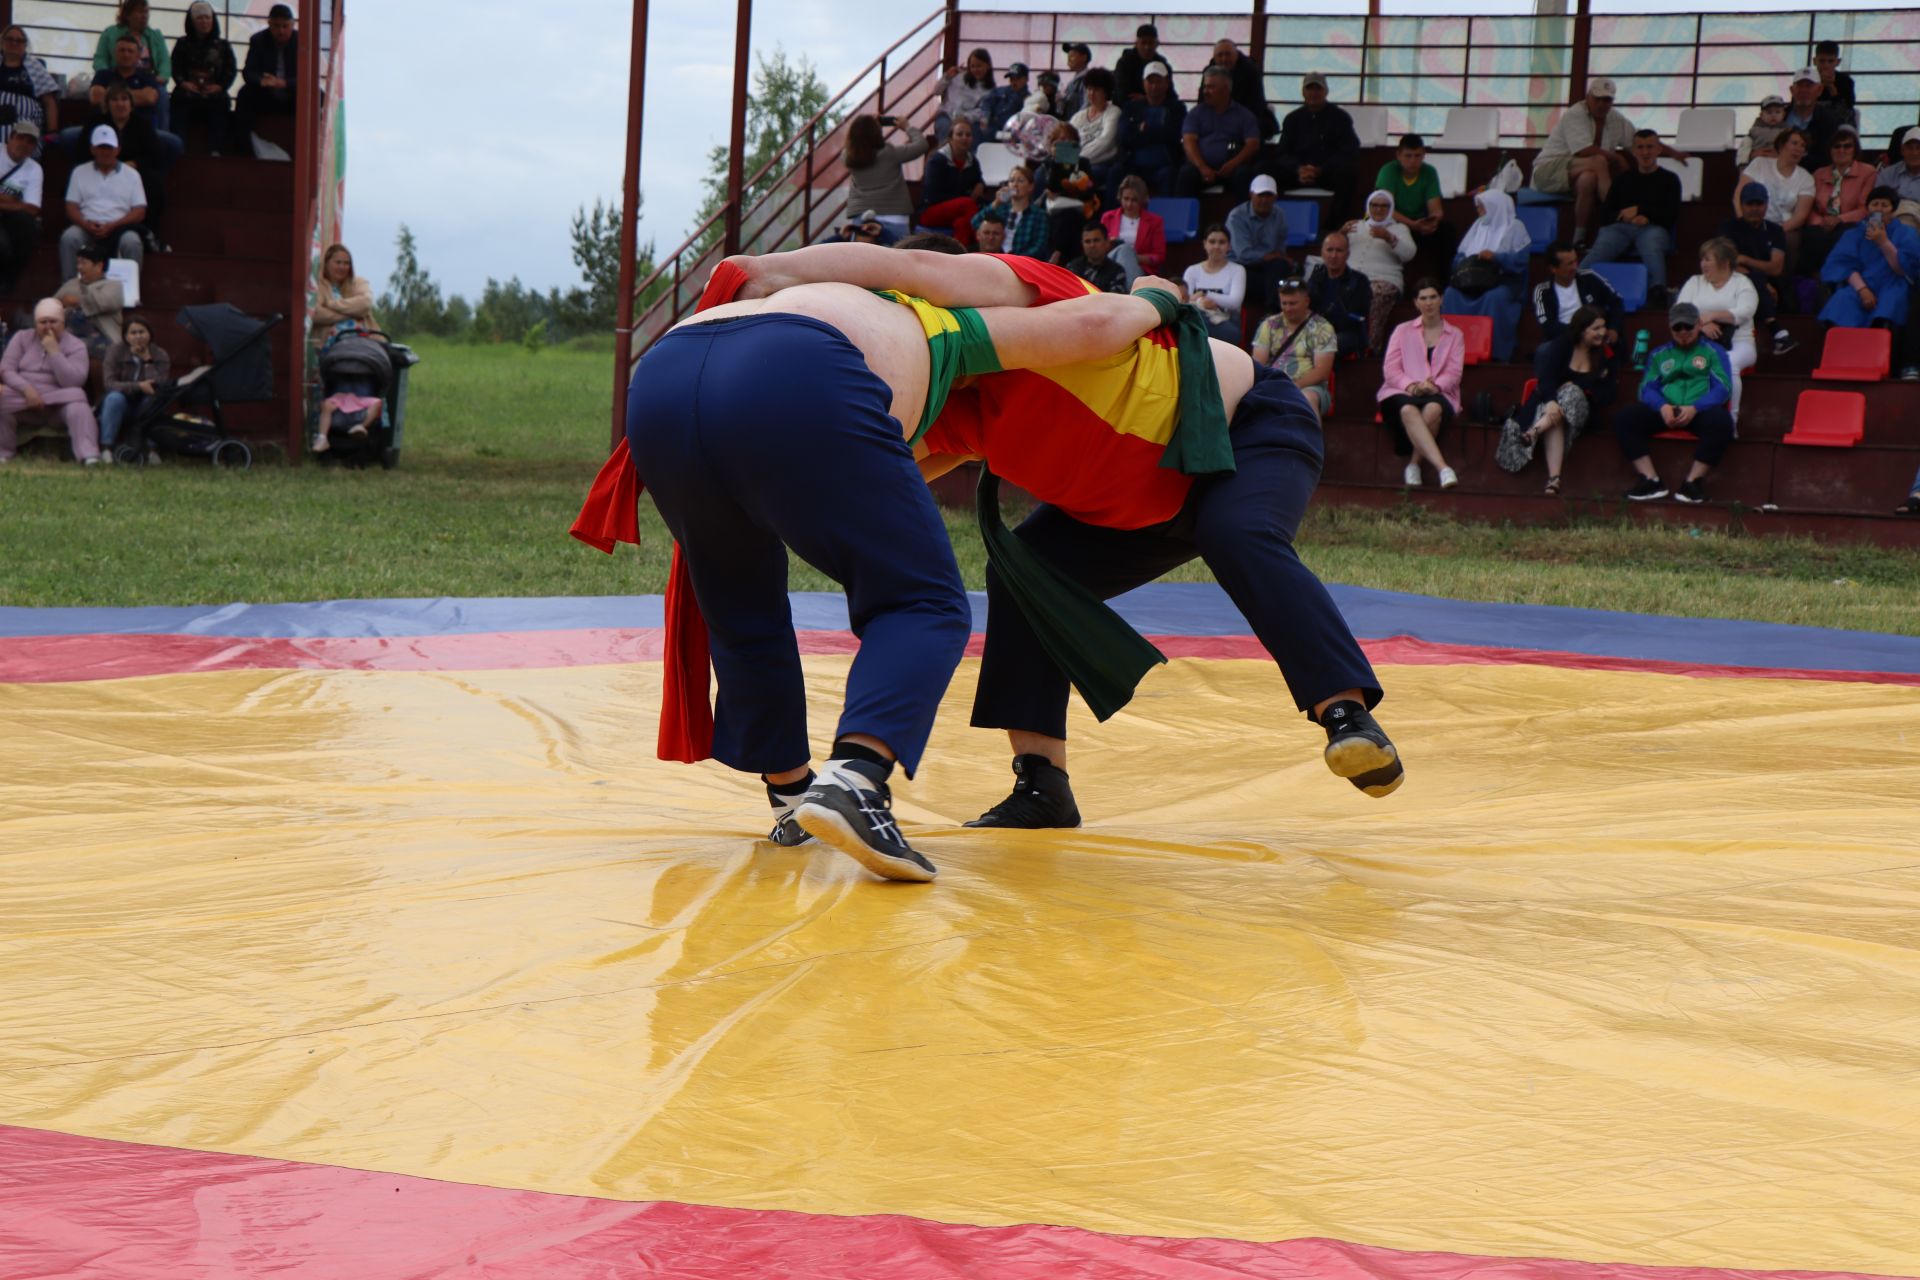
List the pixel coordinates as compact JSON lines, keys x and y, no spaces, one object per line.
{"x":1292,"y":283}
{"x":1681,"y":328}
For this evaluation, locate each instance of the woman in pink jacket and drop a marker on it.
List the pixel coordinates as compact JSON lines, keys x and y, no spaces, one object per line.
{"x":1420,"y":385}
{"x":46,"y":367}
{"x":1138,"y":228}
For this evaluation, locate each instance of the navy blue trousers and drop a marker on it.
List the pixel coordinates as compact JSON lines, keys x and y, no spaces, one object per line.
{"x":1241,"y":524}
{"x":767,"y":432}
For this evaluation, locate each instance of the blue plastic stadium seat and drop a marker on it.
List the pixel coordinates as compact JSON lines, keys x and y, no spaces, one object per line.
{"x":1303,"y":220}
{"x":1542,"y":222}
{"x":1527,"y":195}
{"x":1629,"y":280}
{"x":1181,"y":214}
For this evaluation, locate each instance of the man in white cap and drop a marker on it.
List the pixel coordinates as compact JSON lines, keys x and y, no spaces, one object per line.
{"x":1150,"y":131}
{"x":1903,"y":176}
{"x":1258,"y":231}
{"x":1583,"y":153}
{"x":46,"y":367}
{"x":106,"y":203}
{"x":21,"y":181}
{"x":1317,"y":145}
{"x":1817,"y":119}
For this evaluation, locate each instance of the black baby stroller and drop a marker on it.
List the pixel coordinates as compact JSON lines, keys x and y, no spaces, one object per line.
{"x":184,"y":416}
{"x":364,"y":364}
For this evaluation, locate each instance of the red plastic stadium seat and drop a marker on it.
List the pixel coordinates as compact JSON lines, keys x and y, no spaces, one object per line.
{"x":1856,"y":355}
{"x":1479,"y":334}
{"x":1829,"y":419}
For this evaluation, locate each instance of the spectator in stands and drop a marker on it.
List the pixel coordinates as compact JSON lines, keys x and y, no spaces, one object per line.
{"x":343,"y":303}
{"x":1839,"y":199}
{"x":1903,"y":176}
{"x":991,"y":235}
{"x":1136,"y":231}
{"x":1341,"y":294}
{"x":46,"y":367}
{"x":22,"y":190}
{"x":1129,"y":71}
{"x":106,"y":205}
{"x":1073,"y":95}
{"x":269,"y":77}
{"x":1258,"y":230}
{"x":1415,"y":186}
{"x":1727,"y":302}
{"x":1760,"y":253}
{"x":1571,"y":288}
{"x":94,"y":301}
{"x":1640,"y":212}
{"x":126,"y":70}
{"x":1789,"y":187}
{"x":874,"y":177}
{"x":1584,"y":153}
{"x":1317,"y":145}
{"x":135,"y":20}
{"x":1872,"y":270}
{"x":1098,"y":124}
{"x":864,"y":227}
{"x":1767,"y":126}
{"x":1045,"y":99}
{"x":1005,"y":102}
{"x":1026,"y":221}
{"x":1420,"y":385}
{"x":1150,"y":128}
{"x":132,"y":371}
{"x":1686,"y":387}
{"x":26,"y":85}
{"x":1490,"y":271}
{"x":1218,"y":284}
{"x":1096,"y":264}
{"x":1249,"y":88}
{"x":1071,"y":191}
{"x":951,"y":189}
{"x":1836,"y":86}
{"x":1381,"y":250}
{"x":1815,"y":120}
{"x":963,"y":95}
{"x":1300,"y":343}
{"x":142,"y":147}
{"x":1573,"y":380}
{"x":203,"y":74}
{"x":1221,"y":137}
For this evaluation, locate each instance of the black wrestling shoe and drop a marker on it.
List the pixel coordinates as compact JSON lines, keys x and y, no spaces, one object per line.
{"x":851,"y":808}
{"x":786,"y":832}
{"x":1041,"y":798}
{"x":1359,"y":751}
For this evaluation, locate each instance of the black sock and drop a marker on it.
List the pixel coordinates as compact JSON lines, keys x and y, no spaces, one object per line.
{"x":844,"y":750}
{"x":787,"y":790}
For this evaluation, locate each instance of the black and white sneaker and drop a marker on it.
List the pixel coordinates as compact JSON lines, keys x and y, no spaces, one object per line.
{"x":1041,"y":798}
{"x":1783,"y":342}
{"x":1690,"y":492}
{"x":1359,"y":750}
{"x":851,"y":808}
{"x":786,"y":832}
{"x":1646,"y":489}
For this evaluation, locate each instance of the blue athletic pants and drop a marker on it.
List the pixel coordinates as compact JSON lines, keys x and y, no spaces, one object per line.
{"x":767,"y":432}
{"x":1241,"y":524}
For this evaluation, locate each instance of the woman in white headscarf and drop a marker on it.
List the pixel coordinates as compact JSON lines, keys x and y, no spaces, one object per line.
{"x":1490,"y":270}
{"x":1379,"y":249}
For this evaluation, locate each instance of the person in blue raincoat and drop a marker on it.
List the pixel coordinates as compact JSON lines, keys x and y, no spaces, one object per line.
{"x":1872,"y":269}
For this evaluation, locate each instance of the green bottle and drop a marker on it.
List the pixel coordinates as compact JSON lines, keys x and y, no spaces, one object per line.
{"x":1640,"y":340}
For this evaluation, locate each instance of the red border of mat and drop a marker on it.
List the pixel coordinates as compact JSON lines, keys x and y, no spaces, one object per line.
{"x":89,"y":1209}
{"x":57,"y":659}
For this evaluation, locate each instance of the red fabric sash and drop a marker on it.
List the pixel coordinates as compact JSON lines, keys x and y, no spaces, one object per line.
{"x":611,"y":515}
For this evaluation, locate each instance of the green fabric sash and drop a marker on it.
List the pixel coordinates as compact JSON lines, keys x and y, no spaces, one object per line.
{"x":1200,"y":445}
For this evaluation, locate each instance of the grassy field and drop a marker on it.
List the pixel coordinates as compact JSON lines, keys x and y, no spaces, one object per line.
{"x":501,"y":444}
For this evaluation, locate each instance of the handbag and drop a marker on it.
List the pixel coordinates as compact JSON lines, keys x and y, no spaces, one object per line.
{"x":1475,"y":276}
{"x":1515,"y":449}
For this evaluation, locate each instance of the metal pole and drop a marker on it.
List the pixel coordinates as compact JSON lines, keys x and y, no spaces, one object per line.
{"x":806,"y":193}
{"x":306,"y":161}
{"x":737,"y":135}
{"x":629,"y":219}
{"x":1582,"y":47}
{"x":950,"y":38}
{"x":1257,"y":47}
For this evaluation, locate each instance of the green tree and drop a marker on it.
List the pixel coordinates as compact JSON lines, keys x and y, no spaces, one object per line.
{"x":784,"y":97}
{"x":412,"y":301}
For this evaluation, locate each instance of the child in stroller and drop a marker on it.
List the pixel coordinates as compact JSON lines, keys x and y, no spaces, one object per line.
{"x":358,"y":418}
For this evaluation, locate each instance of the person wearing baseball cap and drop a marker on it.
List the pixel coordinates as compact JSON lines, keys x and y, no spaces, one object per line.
{"x":1150,"y":129}
{"x":1816,"y":118}
{"x":1317,"y":144}
{"x":1760,"y":248}
{"x":1006,"y":100}
{"x":1767,"y":126}
{"x":1129,"y":70}
{"x":106,"y":203}
{"x":1685,"y":388}
{"x":1903,"y":175}
{"x":21,"y":195}
{"x":1073,"y":93}
{"x":1045,"y":98}
{"x":1584,"y":153}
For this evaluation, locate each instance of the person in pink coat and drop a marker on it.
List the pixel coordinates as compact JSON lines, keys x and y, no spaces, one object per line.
{"x":46,"y":367}
{"x":1137,"y":228}
{"x":1420,"y":385}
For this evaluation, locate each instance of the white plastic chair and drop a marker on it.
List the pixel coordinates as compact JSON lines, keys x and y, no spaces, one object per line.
{"x":996,"y":164}
{"x":1371,"y":123}
{"x":1469,"y":129}
{"x":1692,"y":174}
{"x":1706,"y":129}
{"x":1452,"y":170}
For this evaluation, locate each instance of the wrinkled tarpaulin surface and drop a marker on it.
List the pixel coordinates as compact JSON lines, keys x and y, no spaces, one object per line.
{"x":367,"y":939}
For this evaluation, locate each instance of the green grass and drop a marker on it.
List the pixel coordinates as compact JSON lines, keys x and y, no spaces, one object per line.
{"x":502,"y":443}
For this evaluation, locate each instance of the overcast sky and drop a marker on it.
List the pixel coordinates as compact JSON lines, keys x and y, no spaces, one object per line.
{"x":484,"y":124}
